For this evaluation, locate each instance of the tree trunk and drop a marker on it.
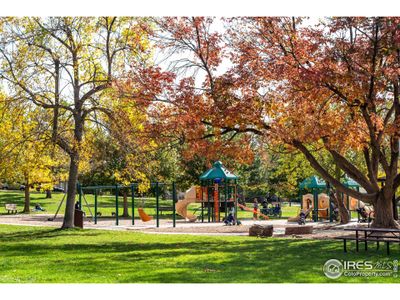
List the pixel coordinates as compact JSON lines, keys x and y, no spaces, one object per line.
{"x":395,"y":211}
{"x":71,"y":193}
{"x":27,"y":204}
{"x":343,"y":211}
{"x":48,"y":194}
{"x":126,"y":212}
{"x":383,"y":211}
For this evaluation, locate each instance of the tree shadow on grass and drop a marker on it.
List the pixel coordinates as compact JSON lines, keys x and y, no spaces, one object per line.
{"x":165,"y":262}
{"x":91,"y":257}
{"x":33,"y":235}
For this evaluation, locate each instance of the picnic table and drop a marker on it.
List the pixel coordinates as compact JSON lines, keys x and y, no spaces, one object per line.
{"x":368,"y":234}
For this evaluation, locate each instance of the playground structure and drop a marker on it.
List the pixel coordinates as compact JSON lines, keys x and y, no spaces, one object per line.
{"x":318,"y":204}
{"x":322,"y":204}
{"x":218,"y":192}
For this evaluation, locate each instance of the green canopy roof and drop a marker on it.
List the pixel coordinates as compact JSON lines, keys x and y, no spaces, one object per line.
{"x":349,"y":182}
{"x":313,"y":182}
{"x":217,"y":171}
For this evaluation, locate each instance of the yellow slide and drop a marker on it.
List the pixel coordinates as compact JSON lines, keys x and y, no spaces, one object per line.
{"x":143,"y":216}
{"x":181,"y":206}
{"x":181,"y":209}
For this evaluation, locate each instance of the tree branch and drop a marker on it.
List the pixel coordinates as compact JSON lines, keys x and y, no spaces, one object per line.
{"x":329,"y":178}
{"x":352,"y":171}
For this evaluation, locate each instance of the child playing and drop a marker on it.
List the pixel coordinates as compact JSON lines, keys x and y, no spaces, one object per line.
{"x":230,"y":220}
{"x":255,"y":209}
{"x":38,"y":207}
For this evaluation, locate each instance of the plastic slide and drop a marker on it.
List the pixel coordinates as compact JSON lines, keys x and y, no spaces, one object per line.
{"x":250,"y":209}
{"x":297,"y":218}
{"x":181,"y":209}
{"x":143,"y":216}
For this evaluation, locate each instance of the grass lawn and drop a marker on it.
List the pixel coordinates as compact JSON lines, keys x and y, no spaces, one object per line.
{"x":37,"y":254}
{"x":18,"y":198}
{"x":106,"y":204}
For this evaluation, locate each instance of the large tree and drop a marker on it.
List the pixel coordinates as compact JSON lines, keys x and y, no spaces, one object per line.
{"x":66,"y":66}
{"x":334,"y":86}
{"x":329,"y":85}
{"x":122,"y":152}
{"x":25,"y":156}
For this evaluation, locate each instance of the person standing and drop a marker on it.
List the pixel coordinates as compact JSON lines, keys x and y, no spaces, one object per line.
{"x":255,"y":209}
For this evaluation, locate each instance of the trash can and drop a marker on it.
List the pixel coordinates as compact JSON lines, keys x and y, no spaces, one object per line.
{"x":78,"y":218}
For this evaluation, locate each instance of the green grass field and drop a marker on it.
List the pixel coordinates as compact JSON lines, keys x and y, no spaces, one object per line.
{"x":37,"y":254}
{"x":17,"y":197}
{"x":106,"y":204}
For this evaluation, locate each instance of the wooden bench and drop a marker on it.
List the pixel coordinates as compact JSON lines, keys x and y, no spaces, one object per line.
{"x":371,"y":235}
{"x":302,"y":229}
{"x":261,"y":230}
{"x":11,"y":207}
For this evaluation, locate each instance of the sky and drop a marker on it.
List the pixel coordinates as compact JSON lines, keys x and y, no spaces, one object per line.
{"x":202,"y":8}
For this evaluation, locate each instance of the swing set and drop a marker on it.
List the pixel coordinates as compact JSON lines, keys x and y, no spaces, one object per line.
{"x":218,"y":192}
{"x":80,"y":205}
{"x":155,"y":187}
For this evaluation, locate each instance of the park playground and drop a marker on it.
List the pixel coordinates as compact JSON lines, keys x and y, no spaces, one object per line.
{"x":199,"y":150}
{"x":201,"y":209}
{"x":169,"y":229}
